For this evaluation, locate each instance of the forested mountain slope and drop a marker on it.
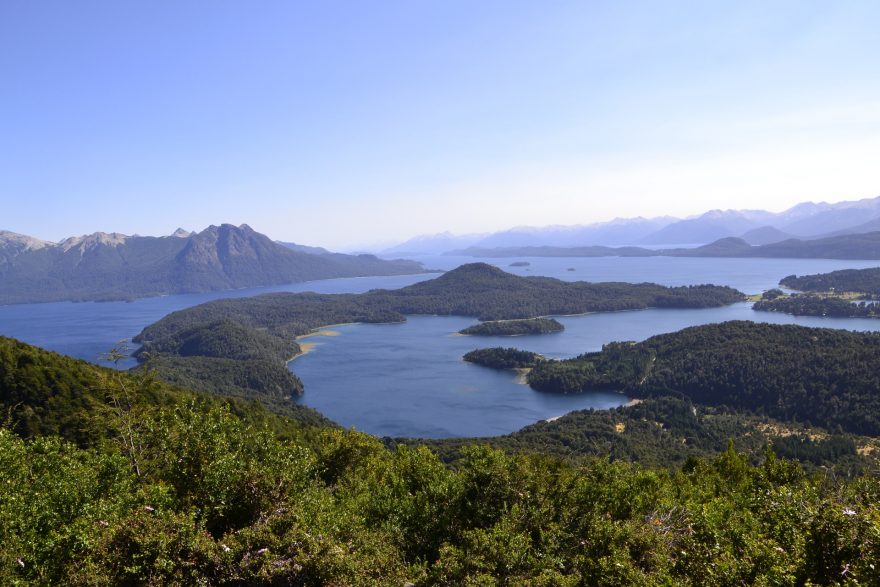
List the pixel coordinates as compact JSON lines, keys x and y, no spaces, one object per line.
{"x":46,"y":394}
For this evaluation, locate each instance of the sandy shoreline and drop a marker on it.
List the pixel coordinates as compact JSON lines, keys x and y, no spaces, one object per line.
{"x":321,"y":332}
{"x":307,"y":347}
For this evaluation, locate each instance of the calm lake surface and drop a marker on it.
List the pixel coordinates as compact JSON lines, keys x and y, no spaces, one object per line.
{"x":408,"y":379}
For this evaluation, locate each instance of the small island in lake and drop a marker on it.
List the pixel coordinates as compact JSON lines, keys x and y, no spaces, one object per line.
{"x":520,"y":264}
{"x":503,"y":358}
{"x":514,"y":327}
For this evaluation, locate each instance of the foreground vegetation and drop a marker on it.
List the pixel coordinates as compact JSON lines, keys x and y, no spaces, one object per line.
{"x":165,"y":487}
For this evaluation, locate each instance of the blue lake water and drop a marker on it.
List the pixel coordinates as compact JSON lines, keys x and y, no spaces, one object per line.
{"x":408,"y":379}
{"x":86,"y":330}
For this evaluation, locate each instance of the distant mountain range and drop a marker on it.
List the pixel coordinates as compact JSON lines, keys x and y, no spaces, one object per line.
{"x":114,"y":266}
{"x":849,"y":246}
{"x":756,"y":227}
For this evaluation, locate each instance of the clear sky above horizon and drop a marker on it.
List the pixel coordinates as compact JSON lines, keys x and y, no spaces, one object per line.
{"x":345,"y":124}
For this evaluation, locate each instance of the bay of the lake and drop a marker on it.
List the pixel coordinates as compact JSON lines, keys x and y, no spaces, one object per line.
{"x":408,"y":379}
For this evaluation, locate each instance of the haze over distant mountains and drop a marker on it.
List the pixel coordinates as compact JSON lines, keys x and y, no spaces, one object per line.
{"x":864,"y":246}
{"x":756,"y":227}
{"x":113,"y":266}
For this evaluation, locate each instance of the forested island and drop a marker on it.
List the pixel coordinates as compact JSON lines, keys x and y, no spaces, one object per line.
{"x":115,"y":478}
{"x":514,"y":327}
{"x":266,"y":325}
{"x":502,"y":358}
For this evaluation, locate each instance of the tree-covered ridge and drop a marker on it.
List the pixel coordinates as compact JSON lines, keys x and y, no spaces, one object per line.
{"x":488,"y":293}
{"x":271,"y":382}
{"x":514,"y":327}
{"x":172,"y":488}
{"x":227,"y":358}
{"x":864,"y":281}
{"x":227,"y":339}
{"x":46,"y":394}
{"x":816,"y":305}
{"x":827,"y":377}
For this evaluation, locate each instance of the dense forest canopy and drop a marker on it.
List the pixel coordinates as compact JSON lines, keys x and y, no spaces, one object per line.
{"x":502,"y":358}
{"x":667,"y":431}
{"x":514,"y":327}
{"x":164,"y":486}
{"x":46,"y":394}
{"x":815,"y":305}
{"x":823,"y":376}
{"x":864,"y":281}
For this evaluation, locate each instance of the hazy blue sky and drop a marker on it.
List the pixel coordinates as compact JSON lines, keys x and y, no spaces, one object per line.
{"x":347,"y":123}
